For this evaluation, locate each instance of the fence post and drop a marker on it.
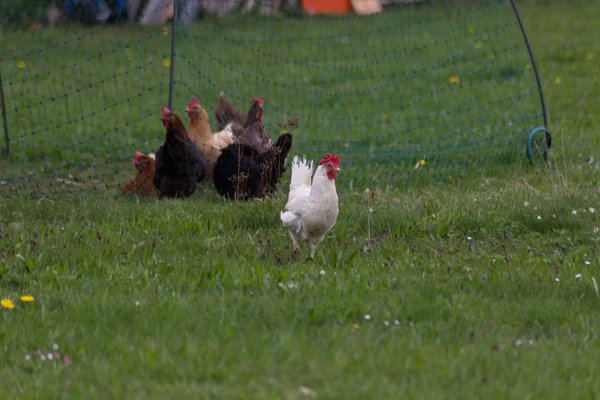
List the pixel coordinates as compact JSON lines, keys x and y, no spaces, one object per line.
{"x":4,"y":122}
{"x":548,"y":138}
{"x":173,"y":41}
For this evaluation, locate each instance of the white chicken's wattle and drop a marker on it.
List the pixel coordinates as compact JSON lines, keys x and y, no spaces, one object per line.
{"x":312,"y":207}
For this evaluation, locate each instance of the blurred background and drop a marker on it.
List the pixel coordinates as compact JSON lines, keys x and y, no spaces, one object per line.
{"x":406,"y":92}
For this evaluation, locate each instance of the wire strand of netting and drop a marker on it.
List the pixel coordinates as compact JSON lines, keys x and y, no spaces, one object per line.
{"x":447,"y":83}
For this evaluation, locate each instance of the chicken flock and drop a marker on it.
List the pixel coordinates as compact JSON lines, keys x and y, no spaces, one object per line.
{"x":243,"y":163}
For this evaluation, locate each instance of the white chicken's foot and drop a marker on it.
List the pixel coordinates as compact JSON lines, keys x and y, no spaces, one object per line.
{"x":314,"y":243}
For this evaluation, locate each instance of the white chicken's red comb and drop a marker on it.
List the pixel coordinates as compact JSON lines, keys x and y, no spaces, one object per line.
{"x":332,"y":158}
{"x":165,"y":112}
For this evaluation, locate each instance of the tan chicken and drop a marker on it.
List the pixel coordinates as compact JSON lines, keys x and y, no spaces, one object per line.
{"x":200,"y":133}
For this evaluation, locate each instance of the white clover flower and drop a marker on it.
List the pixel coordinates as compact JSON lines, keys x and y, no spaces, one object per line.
{"x":54,"y":347}
{"x":526,"y":204}
{"x":322,"y":272}
{"x":367,"y":317}
{"x":557,"y":280}
{"x":396,"y":322}
{"x":539,"y":217}
{"x":587,"y":263}
{"x":386,"y":323}
{"x":27,"y":357}
{"x":469,"y":238}
{"x":578,"y":276}
{"x":574,"y":212}
{"x":50,"y":356}
{"x":592,"y":210}
{"x":595,"y":229}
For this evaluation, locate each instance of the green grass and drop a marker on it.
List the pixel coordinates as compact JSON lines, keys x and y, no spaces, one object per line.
{"x":201,"y":299}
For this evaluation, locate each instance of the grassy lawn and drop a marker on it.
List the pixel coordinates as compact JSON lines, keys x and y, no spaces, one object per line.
{"x":482,"y":286}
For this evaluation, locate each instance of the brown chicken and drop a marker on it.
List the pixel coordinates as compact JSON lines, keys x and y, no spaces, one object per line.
{"x":226,"y":113}
{"x":142,"y":184}
{"x":253,"y":132}
{"x":200,"y":133}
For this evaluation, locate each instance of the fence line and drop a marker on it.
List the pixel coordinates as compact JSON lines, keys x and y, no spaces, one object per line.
{"x":173,"y":43}
{"x":4,"y":122}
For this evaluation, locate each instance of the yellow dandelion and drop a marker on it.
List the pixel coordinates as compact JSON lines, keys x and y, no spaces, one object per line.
{"x":422,"y":162}
{"x":27,"y":299}
{"x":590,"y":56}
{"x":477,"y":45}
{"x":557,"y":80}
{"x":21,"y":64}
{"x":355,"y":326}
{"x":470,"y":28}
{"x":167,"y":63}
{"x":166,"y":32}
{"x":7,"y":303}
{"x":454,"y":79}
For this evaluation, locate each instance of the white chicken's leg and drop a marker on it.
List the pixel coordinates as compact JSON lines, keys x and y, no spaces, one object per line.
{"x":314,"y":243}
{"x":296,"y":245}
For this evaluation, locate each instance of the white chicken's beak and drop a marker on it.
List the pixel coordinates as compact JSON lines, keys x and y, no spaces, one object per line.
{"x":337,"y":169}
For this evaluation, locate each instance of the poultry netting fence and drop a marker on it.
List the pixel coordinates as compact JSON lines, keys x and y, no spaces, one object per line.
{"x":417,"y":93}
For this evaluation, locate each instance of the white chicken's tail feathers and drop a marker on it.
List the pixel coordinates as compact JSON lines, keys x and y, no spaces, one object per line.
{"x":301,"y":171}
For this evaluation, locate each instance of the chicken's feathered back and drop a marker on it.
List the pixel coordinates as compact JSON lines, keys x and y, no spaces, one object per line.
{"x":225,"y":113}
{"x":241,"y":172}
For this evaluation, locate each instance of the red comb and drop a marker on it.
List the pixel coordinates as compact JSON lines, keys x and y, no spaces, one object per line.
{"x":165,"y":112}
{"x":194,"y":102}
{"x":332,"y":158}
{"x":259,"y":101}
{"x":137,"y":158}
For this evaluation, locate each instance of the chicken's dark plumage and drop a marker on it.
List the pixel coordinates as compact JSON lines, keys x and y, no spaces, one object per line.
{"x":253,"y":132}
{"x":225,"y":113}
{"x":179,"y":163}
{"x":242,"y":172}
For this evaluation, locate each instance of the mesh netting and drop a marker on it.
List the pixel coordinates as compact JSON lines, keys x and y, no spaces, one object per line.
{"x":445,"y":82}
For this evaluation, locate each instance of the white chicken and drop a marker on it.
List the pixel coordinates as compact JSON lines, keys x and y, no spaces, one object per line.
{"x":312,"y":209}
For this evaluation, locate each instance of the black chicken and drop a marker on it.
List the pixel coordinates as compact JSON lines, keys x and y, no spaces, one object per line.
{"x":242,"y":172}
{"x":179,"y":163}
